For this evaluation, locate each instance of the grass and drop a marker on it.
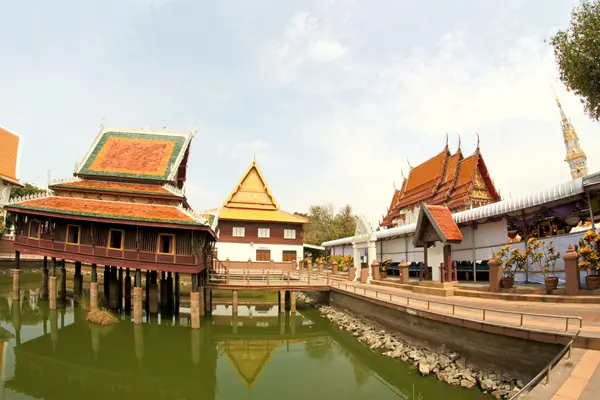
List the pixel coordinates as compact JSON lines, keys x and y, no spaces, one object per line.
{"x":102,"y":316}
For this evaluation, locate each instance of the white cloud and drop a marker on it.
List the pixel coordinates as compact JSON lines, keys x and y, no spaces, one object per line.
{"x":323,"y":50}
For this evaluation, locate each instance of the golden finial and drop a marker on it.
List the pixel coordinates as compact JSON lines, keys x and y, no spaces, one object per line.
{"x":446,"y":139}
{"x":402,"y":172}
{"x":458,"y":141}
{"x":408,"y":162}
{"x":477,"y":140}
{"x":254,"y":159}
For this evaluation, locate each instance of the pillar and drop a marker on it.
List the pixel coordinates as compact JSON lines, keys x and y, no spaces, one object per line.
{"x":52,"y":294}
{"x":120,"y":289}
{"x":371,"y":258}
{"x":195,"y":346}
{"x":334,"y":267}
{"x":63,"y":278}
{"x":234,"y":301}
{"x":45,"y":278}
{"x":293,"y":301}
{"x":375,"y":273}
{"x":496,"y":272}
{"x":153,"y":298}
{"x":77,"y":281}
{"x":17,"y":260}
{"x":234,"y":324}
{"x":170,"y":292}
{"x":148,"y":279}
{"x":177,"y":294}
{"x":127,"y":299}
{"x":571,"y":271}
{"x":113,"y":290}
{"x":106,"y":283}
{"x":448,"y":270}
{"x":202,"y":300}
{"x":282,"y":301}
{"x":195,"y":309}
{"x":357,"y":266}
{"x":16,"y":288}
{"x":163,"y":291}
{"x":403,"y":267}
{"x":137,"y":298}
{"x":320,"y":266}
{"x":138,"y":334}
{"x":93,"y":296}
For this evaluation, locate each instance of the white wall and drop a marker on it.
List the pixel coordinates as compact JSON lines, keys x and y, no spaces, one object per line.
{"x":245,"y":251}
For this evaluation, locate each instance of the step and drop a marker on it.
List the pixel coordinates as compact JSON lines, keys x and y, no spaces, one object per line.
{"x":403,"y":286}
{"x":435,"y":291}
{"x":546,"y":298}
{"x":438,"y":285}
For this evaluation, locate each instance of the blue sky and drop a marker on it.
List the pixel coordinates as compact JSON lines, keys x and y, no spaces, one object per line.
{"x":333,"y":97}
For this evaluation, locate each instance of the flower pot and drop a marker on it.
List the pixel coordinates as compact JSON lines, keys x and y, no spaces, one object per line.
{"x":592,"y":282}
{"x":551,"y":283}
{"x":383,"y":274}
{"x":507,"y":283}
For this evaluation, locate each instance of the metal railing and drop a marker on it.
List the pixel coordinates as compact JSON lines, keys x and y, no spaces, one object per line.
{"x":485,"y":312}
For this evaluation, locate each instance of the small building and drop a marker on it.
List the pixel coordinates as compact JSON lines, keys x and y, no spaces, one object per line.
{"x":253,"y":227}
{"x":124,"y":208}
{"x":9,"y":165}
{"x":448,"y":179}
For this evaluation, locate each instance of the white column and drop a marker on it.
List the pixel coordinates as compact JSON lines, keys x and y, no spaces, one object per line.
{"x":435,"y":257}
{"x":371,"y":256}
{"x":356,"y":262}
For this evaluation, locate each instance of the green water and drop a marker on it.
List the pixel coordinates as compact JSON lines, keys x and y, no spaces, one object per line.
{"x":57,"y":355}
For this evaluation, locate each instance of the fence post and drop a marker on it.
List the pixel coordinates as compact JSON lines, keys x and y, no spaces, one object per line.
{"x":334,"y":267}
{"x":495,"y":273}
{"x":403,"y":266}
{"x":571,"y":271}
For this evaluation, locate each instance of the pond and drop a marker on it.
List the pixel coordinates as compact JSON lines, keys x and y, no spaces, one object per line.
{"x":258,"y":354}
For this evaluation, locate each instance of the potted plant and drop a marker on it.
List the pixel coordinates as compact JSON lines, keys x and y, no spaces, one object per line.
{"x":544,"y":255}
{"x":513,"y":261}
{"x":589,"y":258}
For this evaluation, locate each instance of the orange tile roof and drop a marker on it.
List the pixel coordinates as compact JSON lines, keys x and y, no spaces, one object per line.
{"x":9,"y":152}
{"x":116,"y":187}
{"x":135,"y":154}
{"x":443,"y":219}
{"x":108,"y":210}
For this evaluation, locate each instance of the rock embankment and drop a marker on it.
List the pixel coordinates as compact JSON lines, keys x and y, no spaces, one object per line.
{"x":447,"y":366}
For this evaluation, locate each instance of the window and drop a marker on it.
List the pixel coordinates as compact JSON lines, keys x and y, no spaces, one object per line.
{"x":263,"y":255}
{"x":166,"y":244}
{"x":34,"y":229}
{"x":264,"y":232}
{"x":289,"y":255}
{"x":115,"y":239}
{"x":289,"y":234}
{"x":239,"y":231}
{"x":73,"y":234}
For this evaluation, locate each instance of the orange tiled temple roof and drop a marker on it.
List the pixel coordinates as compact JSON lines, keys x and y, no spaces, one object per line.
{"x":444,"y":220}
{"x":9,"y":153}
{"x":105,"y":186}
{"x":252,"y":200}
{"x":443,"y":179}
{"x":108,"y":209}
{"x":135,"y":154}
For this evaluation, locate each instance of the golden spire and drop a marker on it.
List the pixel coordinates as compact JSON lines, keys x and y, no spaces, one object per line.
{"x":576,"y":157}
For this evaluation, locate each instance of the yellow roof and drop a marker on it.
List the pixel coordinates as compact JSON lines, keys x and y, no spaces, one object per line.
{"x":241,"y":214}
{"x":252,"y":200}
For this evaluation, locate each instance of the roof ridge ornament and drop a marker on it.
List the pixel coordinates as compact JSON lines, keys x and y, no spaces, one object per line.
{"x":446,"y":139}
{"x":408,"y":162}
{"x":477,"y":133}
{"x":173,"y":189}
{"x":458,"y":141}
{"x":61,"y":181}
{"x":41,"y":195}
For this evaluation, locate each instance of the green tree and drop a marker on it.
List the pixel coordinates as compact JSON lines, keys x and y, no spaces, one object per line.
{"x":327,"y":224}
{"x":577,"y":52}
{"x":27,"y":189}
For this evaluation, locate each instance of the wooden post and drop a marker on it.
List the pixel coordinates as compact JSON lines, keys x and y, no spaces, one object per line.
{"x":52,"y":289}
{"x":63,"y":278}
{"x":571,"y":271}
{"x":293,"y":301}
{"x":195,"y":308}
{"x":496,"y":271}
{"x":16,"y":289}
{"x":177,"y":293}
{"x":137,"y":305}
{"x":282,"y":301}
{"x":127,"y":299}
{"x":403,"y":267}
{"x":334,"y":267}
{"x":77,"y":281}
{"x":45,"y":278}
{"x":320,"y":266}
{"x":234,"y":301}
{"x":93,"y":296}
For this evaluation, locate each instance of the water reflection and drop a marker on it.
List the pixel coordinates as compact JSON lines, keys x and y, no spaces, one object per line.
{"x":257,"y":353}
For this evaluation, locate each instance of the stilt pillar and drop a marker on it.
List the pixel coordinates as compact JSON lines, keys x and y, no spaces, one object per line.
{"x":16,"y":288}
{"x":63,"y":279}
{"x":170,"y":292}
{"x":137,"y":305}
{"x":52,"y":290}
{"x":138,"y":333}
{"x":106,"y":283}
{"x":293,"y":301}
{"x":17,"y":260}
{"x":234,"y":301}
{"x":45,"y":278}
{"x":148,"y":279}
{"x":195,"y":346}
{"x":77,"y":281}
{"x":120,"y":289}
{"x":195,"y":309}
{"x":282,"y":301}
{"x":202,"y":300}
{"x":177,"y":294}
{"x":164,"y":294}
{"x":127,"y":299}
{"x":93,"y":296}
{"x":153,"y":296}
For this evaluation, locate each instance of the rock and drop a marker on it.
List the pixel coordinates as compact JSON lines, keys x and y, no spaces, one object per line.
{"x":424,"y":368}
{"x":443,"y":361}
{"x":466,"y":384}
{"x":500,"y":393}
{"x":414,"y":355}
{"x":461,"y":363}
{"x":488,"y":385}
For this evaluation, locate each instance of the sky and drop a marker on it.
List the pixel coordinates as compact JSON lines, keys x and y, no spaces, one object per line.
{"x":333,"y":97}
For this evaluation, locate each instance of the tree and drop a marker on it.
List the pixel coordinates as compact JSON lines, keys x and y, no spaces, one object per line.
{"x":577,"y":52}
{"x":27,"y":189}
{"x":325,"y":224}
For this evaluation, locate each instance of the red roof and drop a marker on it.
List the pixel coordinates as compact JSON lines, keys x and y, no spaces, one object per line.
{"x":108,"y":209}
{"x":443,"y":218}
{"x":9,"y":152}
{"x":446,"y":179}
{"x":104,"y":186}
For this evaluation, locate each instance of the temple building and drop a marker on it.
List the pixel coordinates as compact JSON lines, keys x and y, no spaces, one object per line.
{"x":124,"y":209}
{"x":575,"y":156}
{"x":252,"y":227}
{"x":449,"y":179}
{"x":9,"y":163}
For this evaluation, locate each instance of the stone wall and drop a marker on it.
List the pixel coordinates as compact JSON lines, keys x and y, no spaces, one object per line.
{"x":488,"y":350}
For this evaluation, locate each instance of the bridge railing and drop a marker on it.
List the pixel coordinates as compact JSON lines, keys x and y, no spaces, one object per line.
{"x":267,"y":277}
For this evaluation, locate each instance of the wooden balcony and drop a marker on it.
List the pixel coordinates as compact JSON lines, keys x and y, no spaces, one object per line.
{"x":126,"y":258}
